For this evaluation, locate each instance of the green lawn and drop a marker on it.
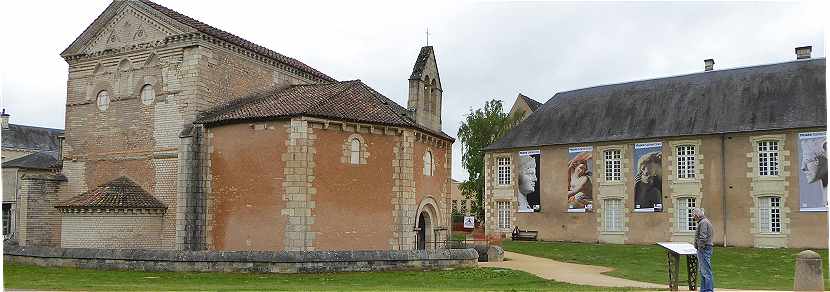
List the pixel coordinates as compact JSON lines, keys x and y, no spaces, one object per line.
{"x":43,"y":278}
{"x":734,"y":267}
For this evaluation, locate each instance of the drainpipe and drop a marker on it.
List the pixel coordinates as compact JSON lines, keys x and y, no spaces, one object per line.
{"x":724,"y":209}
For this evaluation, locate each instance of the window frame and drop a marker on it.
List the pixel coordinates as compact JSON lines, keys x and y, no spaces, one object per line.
{"x":686,"y":161}
{"x":613,"y":213}
{"x":355,"y":155}
{"x":152,"y":95}
{"x":770,"y":214}
{"x":769,"y":160}
{"x":429,"y":160}
{"x":684,"y":220}
{"x":503,"y":171}
{"x":613,"y":165}
{"x":503,"y":208}
{"x":102,"y":107}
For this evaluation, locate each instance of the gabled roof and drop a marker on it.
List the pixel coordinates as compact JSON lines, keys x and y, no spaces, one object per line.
{"x":421,"y":62}
{"x":118,"y":193}
{"x":39,"y":160}
{"x":31,"y":138}
{"x":767,"y":97}
{"x":208,"y":30}
{"x":531,"y":103}
{"x":351,"y":101}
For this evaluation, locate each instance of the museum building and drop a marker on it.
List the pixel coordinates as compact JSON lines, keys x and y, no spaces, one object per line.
{"x":182,"y":136}
{"x":745,"y":144}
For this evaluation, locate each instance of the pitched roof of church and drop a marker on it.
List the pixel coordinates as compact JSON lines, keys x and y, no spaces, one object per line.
{"x":767,"y":97}
{"x":352,"y":101}
{"x":118,"y":193}
{"x":223,"y":35}
{"x":531,"y":103}
{"x":231,"y":38}
{"x":421,"y":62}
{"x":31,"y":138}
{"x":37,"y":160}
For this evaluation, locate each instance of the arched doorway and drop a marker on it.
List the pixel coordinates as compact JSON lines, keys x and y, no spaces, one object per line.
{"x":427,"y":224}
{"x":424,"y":230}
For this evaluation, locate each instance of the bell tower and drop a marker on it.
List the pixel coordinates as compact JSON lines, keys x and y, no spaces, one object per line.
{"x":425,"y":91}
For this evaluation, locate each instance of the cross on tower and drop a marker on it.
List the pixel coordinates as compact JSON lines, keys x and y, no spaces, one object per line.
{"x":427,"y":36}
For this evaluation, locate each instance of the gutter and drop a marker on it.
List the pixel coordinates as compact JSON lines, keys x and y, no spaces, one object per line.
{"x":724,"y":210}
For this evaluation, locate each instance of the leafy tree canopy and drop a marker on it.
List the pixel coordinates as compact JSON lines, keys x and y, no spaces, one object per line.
{"x":480,"y":128}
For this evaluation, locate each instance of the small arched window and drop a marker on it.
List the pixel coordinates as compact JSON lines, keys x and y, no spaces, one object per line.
{"x":428,"y":163}
{"x":103,"y":100}
{"x":355,"y":151}
{"x":148,"y":94}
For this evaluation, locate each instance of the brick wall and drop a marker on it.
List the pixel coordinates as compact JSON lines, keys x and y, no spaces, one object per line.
{"x":111,"y":229}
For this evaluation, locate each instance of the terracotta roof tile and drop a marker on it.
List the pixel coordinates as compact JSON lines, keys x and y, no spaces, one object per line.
{"x":118,"y":193}
{"x":352,"y":101}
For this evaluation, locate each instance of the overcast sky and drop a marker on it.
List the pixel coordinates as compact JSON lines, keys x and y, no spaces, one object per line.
{"x":485,"y":50}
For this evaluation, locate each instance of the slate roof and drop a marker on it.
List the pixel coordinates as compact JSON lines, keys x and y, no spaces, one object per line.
{"x":767,"y":97}
{"x":351,"y":101}
{"x":38,"y":160}
{"x":421,"y":62}
{"x":531,"y":103}
{"x":118,"y":193}
{"x":31,"y":138}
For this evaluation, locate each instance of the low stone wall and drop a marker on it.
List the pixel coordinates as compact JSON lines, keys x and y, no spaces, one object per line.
{"x":239,"y":261}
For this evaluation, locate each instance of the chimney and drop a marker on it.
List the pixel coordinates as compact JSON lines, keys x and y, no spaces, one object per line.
{"x":803,"y":52}
{"x":709,"y":64}
{"x":4,"y":119}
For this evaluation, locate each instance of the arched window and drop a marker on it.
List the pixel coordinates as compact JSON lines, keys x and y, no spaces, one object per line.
{"x":355,"y":151}
{"x":428,"y":163}
{"x":103,"y":100}
{"x":148,"y":94}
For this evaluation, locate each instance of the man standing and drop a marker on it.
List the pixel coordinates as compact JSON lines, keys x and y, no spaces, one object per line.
{"x":703,"y":244}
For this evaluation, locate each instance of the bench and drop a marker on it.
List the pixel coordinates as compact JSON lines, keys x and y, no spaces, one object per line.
{"x":527,"y":235}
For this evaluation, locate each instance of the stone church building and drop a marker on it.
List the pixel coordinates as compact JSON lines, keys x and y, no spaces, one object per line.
{"x":627,"y":162}
{"x":182,"y":136}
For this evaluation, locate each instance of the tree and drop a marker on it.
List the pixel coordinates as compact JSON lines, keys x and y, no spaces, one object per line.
{"x":482,"y":127}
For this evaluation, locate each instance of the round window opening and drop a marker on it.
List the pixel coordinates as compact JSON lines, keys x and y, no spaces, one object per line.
{"x":148,"y":94}
{"x":103,"y":100}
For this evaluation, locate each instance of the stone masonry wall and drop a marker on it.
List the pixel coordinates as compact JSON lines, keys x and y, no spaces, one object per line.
{"x":404,"y":203}
{"x":38,"y":221}
{"x":110,"y":229}
{"x":241,"y":261}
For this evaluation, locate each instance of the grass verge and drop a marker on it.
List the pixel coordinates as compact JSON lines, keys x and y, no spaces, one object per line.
{"x":19,"y":276}
{"x":733,"y":267}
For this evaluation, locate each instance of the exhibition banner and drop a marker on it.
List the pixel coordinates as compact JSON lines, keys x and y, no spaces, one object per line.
{"x":812,"y":177}
{"x":528,"y":194}
{"x":580,"y":189}
{"x":648,"y":180}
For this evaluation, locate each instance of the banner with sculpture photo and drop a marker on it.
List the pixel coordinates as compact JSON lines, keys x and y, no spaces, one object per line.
{"x":648,"y":177}
{"x":580,"y":189}
{"x":812,"y":177}
{"x":528,"y":196}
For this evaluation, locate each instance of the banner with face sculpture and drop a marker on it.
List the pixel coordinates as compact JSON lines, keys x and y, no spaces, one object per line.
{"x":648,"y":180}
{"x":580,"y":189}
{"x":812,"y":177}
{"x":528,"y":195}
